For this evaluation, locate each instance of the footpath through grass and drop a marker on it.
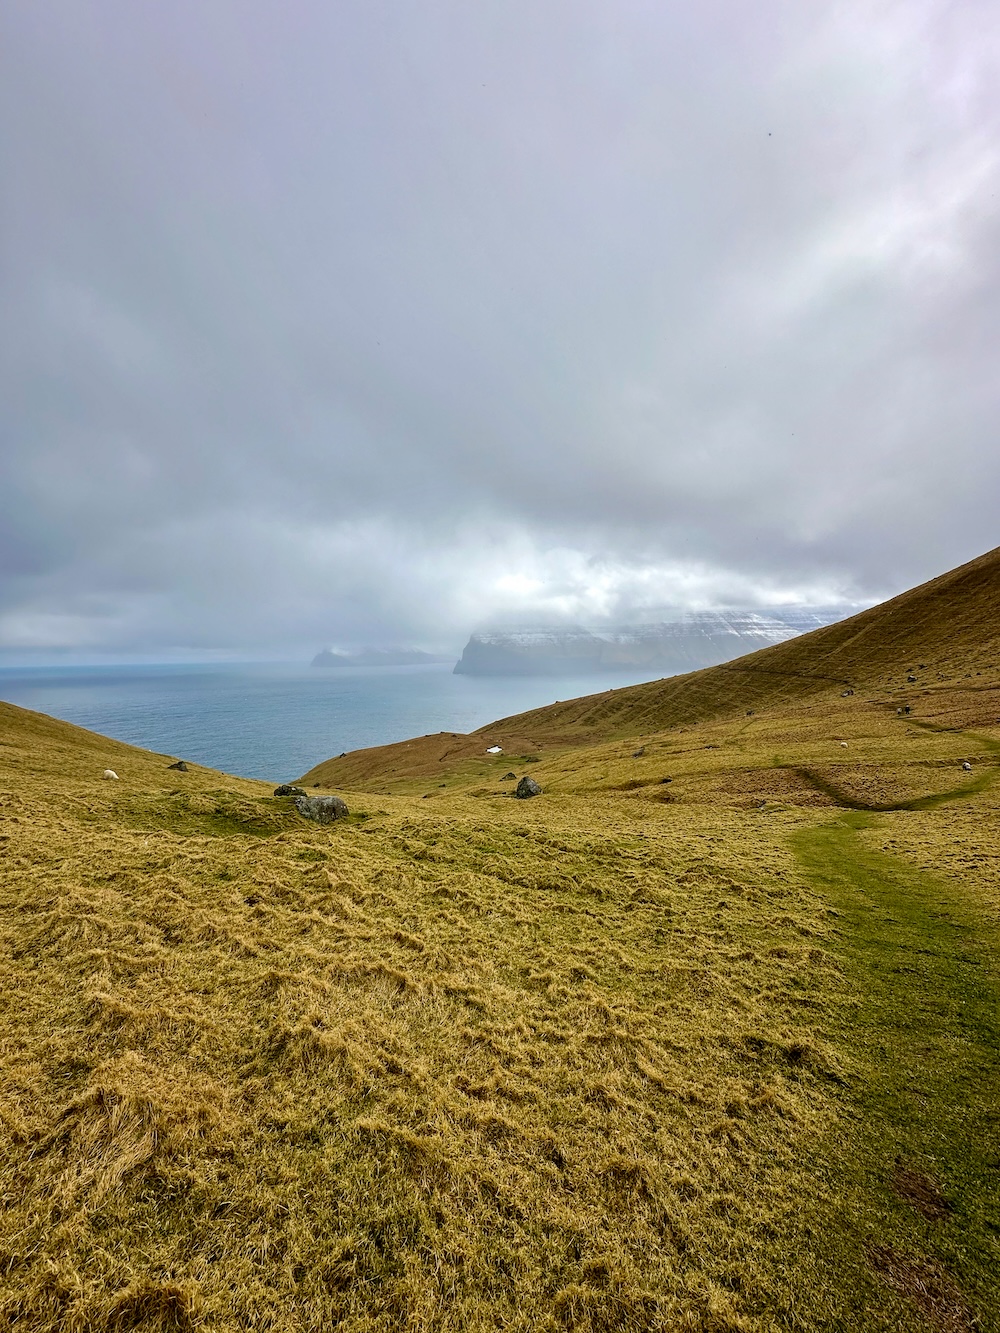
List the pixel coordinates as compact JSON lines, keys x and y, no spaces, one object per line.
{"x":915,"y":1170}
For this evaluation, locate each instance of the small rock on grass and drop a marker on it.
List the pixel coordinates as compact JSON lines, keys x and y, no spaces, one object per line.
{"x":321,"y":809}
{"x":286,"y":790}
{"x":180,"y":766}
{"x":527,"y":787}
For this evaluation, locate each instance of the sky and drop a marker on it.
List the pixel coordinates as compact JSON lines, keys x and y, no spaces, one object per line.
{"x":369,"y":323}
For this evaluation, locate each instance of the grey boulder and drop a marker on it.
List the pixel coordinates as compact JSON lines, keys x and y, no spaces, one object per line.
{"x":322,"y":809}
{"x":527,"y":787}
{"x":180,"y":766}
{"x":287,"y":790}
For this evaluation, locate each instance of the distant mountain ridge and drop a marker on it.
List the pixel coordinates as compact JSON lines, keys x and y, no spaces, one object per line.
{"x":376,"y":657}
{"x":691,"y":641}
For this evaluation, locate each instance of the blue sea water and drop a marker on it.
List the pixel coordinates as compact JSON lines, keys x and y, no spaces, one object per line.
{"x":275,"y":721}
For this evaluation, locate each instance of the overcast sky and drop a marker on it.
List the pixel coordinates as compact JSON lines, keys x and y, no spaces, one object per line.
{"x":367,"y":322}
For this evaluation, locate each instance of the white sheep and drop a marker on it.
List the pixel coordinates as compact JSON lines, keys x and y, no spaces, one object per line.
{"x":110,"y":773}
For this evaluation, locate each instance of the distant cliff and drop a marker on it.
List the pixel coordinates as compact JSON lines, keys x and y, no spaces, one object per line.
{"x":697,"y":639}
{"x":376,"y":657}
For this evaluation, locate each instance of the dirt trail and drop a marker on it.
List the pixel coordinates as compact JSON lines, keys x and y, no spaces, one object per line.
{"x":920,"y":1024}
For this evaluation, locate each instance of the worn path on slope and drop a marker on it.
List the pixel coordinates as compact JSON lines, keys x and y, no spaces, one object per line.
{"x":919,"y":1148}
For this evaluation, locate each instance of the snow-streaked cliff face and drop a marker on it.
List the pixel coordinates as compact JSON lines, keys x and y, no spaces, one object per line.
{"x":535,"y":639}
{"x":706,"y":624}
{"x":695,"y":639}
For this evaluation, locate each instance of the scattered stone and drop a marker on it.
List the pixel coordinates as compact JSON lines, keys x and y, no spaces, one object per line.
{"x":967,"y":766}
{"x":912,"y":680}
{"x":637,"y":754}
{"x":317,"y":785}
{"x":663,"y":780}
{"x":845,"y":694}
{"x":180,"y":766}
{"x":508,"y":777}
{"x":532,"y":759}
{"x":110,"y":773}
{"x":322,"y":809}
{"x":899,"y":712}
{"x":286,"y":790}
{"x":527,"y":787}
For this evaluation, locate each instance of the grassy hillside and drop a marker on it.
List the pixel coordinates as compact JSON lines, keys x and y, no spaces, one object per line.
{"x":703,"y":1038}
{"x":934,"y":648}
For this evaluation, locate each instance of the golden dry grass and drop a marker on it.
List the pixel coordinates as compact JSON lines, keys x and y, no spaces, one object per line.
{"x":452,"y":1067}
{"x":461,"y":1063}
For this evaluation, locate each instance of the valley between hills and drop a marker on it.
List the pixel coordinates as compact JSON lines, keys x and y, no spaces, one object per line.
{"x":705,"y":1037}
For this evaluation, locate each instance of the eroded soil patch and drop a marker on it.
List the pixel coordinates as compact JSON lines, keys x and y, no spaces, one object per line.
{"x":928,"y":1286}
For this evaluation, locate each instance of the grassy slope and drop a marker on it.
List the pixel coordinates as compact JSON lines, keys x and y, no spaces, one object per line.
{"x":921,"y":1113}
{"x":948,"y":630}
{"x":628,"y":1056}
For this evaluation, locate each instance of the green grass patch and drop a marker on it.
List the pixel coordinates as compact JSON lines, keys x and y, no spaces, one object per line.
{"x":218,"y":814}
{"x":911,"y":1179}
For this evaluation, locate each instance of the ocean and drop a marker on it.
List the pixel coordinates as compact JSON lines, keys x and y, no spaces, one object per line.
{"x":275,"y":721}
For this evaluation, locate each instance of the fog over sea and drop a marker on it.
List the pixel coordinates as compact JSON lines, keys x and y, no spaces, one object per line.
{"x":275,"y":721}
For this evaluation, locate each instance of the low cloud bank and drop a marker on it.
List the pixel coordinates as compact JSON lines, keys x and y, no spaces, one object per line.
{"x":336,"y":329}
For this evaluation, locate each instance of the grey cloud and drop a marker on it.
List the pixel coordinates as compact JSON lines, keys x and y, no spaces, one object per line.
{"x":320,"y":320}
